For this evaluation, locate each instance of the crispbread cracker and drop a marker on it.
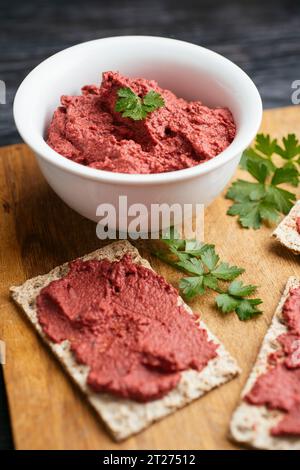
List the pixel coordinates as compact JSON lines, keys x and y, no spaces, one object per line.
{"x":251,"y":424}
{"x":121,"y":416}
{"x":286,"y":232}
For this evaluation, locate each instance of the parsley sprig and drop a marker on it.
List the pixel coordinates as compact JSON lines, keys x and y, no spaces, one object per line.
{"x":264,"y":200}
{"x":136,"y":108}
{"x":204,"y":270}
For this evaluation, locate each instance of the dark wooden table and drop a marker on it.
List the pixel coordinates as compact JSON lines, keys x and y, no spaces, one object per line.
{"x":263,"y":37}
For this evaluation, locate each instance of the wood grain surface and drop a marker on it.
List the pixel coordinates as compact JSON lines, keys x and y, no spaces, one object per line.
{"x":38,"y":232}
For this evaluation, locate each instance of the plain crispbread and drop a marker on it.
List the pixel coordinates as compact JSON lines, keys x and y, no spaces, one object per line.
{"x":125,"y":417}
{"x":286,"y":232}
{"x":251,"y":424}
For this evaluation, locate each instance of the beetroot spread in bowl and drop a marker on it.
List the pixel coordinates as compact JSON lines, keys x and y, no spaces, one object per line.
{"x":190,"y":71}
{"x":180,"y":134}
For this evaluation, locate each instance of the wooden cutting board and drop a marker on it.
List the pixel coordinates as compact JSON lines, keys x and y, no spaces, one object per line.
{"x":38,"y":232}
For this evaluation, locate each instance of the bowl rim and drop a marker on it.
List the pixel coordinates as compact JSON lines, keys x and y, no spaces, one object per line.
{"x":43,"y":150}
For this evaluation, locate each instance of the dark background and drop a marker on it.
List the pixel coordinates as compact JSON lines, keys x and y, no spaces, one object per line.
{"x":261,"y":36}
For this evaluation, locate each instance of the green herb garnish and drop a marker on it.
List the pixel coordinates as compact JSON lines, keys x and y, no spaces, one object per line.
{"x":204,"y":270}
{"x":136,"y":108}
{"x":264,"y":200}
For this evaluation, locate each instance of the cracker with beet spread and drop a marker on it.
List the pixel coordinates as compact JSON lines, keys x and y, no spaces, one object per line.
{"x":268,"y":416}
{"x":125,"y":405}
{"x":288,"y":231}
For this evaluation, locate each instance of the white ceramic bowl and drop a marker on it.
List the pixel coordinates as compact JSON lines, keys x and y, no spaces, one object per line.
{"x":190,"y":71}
